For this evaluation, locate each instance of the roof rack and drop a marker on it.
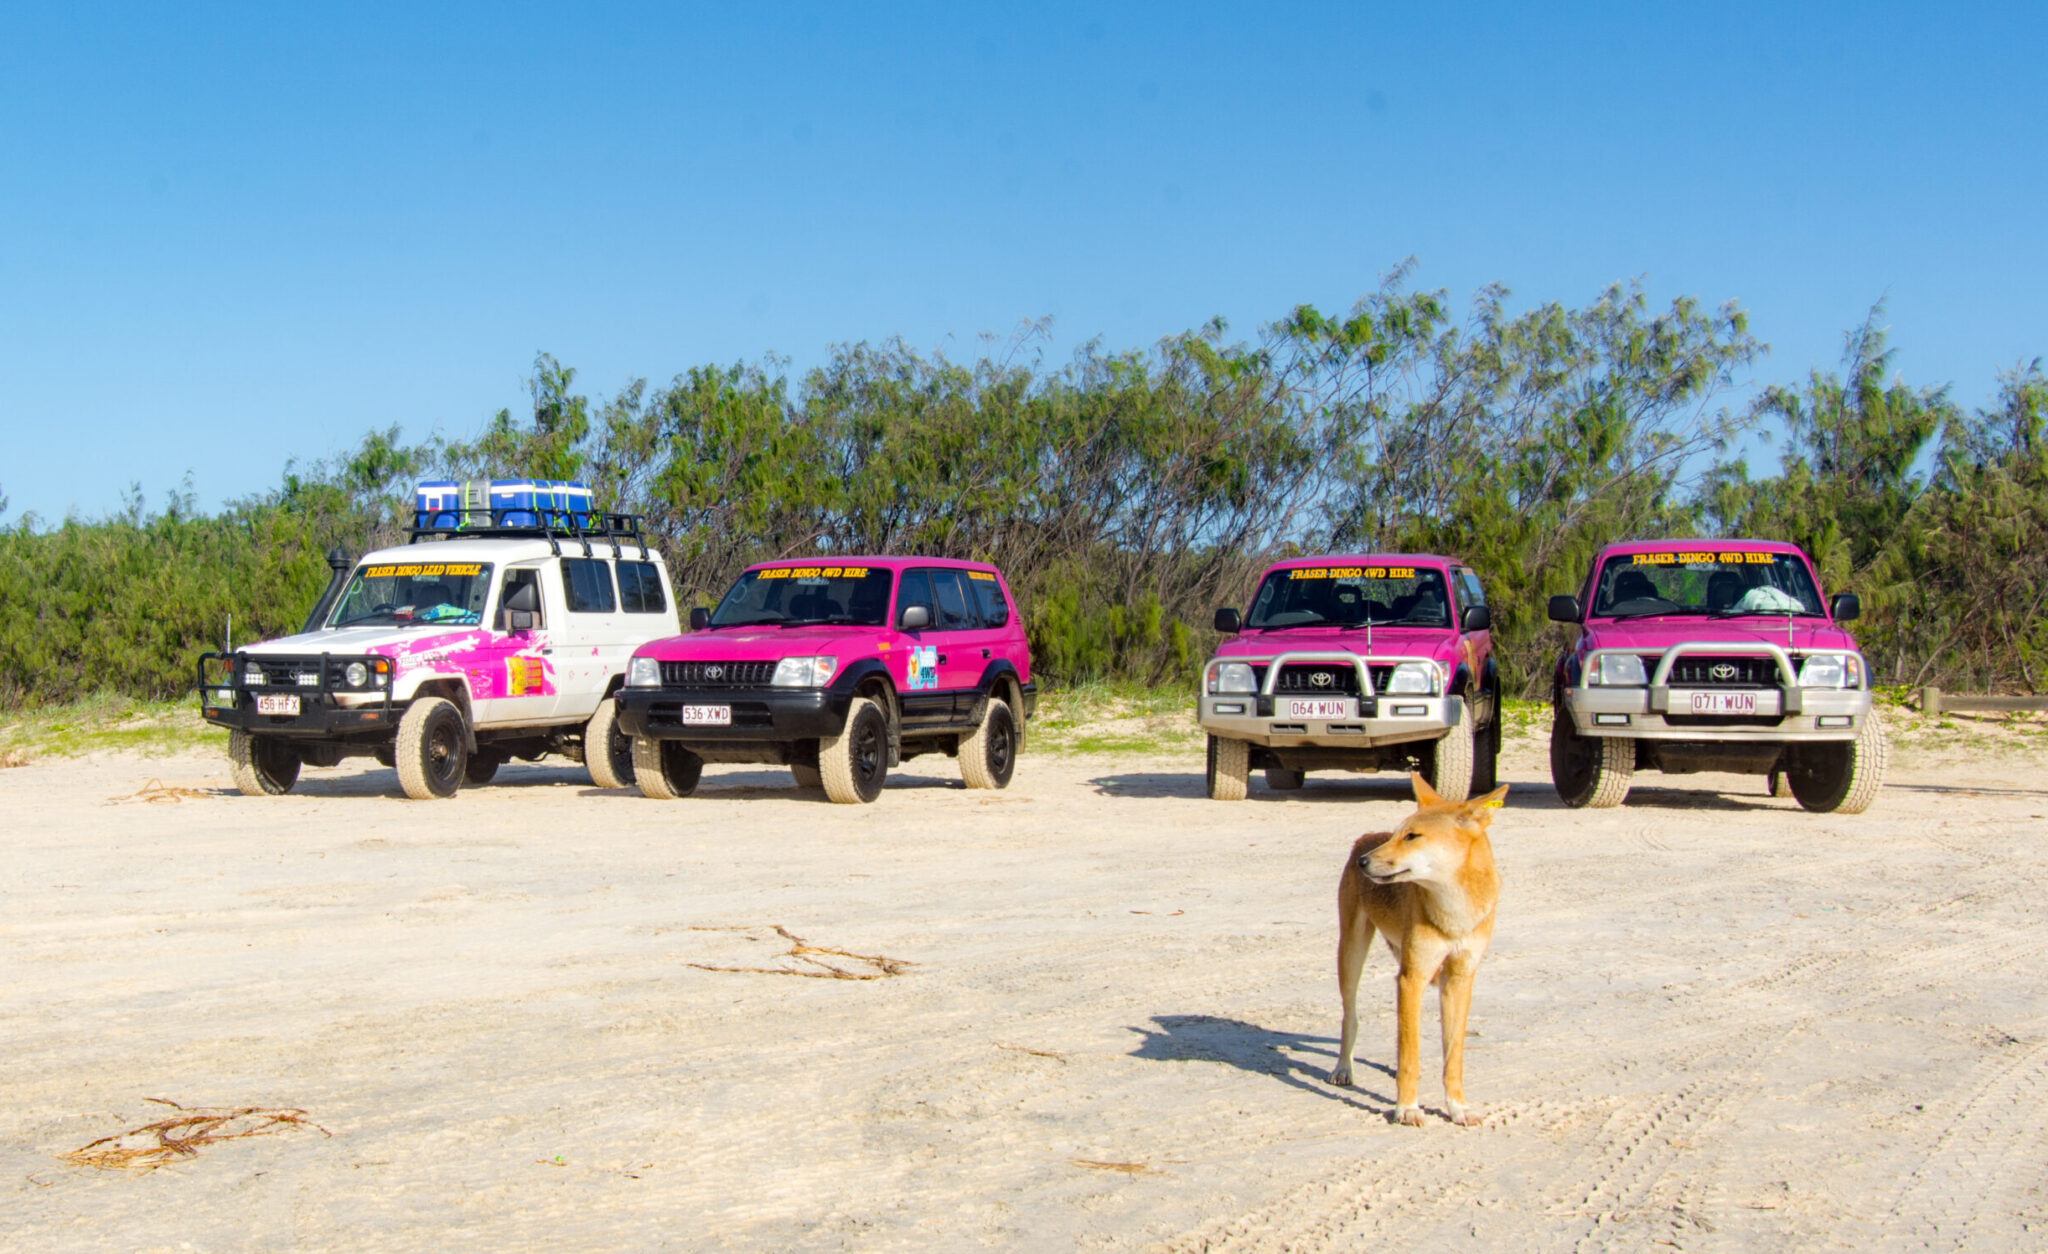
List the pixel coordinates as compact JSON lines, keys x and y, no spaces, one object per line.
{"x":552,"y":525}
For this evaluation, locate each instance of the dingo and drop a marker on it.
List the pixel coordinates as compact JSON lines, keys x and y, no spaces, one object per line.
{"x":1429,"y":887}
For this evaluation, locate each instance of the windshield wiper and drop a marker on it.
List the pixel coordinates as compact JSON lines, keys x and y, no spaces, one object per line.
{"x":1801,"y":613}
{"x":1674,"y":610}
{"x":777,"y":621}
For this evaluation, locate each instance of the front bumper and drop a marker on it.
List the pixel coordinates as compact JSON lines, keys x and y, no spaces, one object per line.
{"x":327,"y":709}
{"x":758,"y":714}
{"x":1381,"y":720}
{"x":1803,"y":714}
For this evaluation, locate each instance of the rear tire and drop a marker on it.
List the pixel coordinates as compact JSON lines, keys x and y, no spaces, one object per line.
{"x":1589,"y":772}
{"x":1280,"y":779}
{"x":1842,"y":778}
{"x":1447,"y":764}
{"x":988,"y":757}
{"x":1486,"y":763}
{"x":431,"y":754}
{"x":1230,"y":768}
{"x":607,"y":749}
{"x":665,"y":770}
{"x":263,"y":766}
{"x":854,"y":764}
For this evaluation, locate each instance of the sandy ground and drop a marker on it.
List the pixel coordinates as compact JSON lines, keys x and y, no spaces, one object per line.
{"x":1709,"y":1021}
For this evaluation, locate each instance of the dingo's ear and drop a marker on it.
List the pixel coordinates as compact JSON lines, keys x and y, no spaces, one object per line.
{"x":1424,"y":794}
{"x":1478,"y":806}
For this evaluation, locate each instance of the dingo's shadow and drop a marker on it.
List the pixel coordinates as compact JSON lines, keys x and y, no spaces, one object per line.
{"x":1262,"y":1051}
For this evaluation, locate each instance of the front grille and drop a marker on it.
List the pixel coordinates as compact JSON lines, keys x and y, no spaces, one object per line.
{"x":1317,"y":679}
{"x":716,"y":674}
{"x":1701,"y":671}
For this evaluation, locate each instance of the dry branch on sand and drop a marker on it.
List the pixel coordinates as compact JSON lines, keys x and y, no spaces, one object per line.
{"x":168,"y":1140}
{"x":803,"y":951}
{"x":159,"y":792}
{"x":12,"y":757}
{"x":1129,"y":1169}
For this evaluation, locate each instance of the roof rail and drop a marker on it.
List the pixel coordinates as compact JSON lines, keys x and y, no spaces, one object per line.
{"x":552,"y":525}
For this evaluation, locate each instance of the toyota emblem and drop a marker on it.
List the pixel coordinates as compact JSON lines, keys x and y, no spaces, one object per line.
{"x":1322,"y":679}
{"x":714,"y":672}
{"x":1724,"y":672}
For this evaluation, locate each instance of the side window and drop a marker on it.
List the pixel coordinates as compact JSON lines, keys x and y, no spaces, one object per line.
{"x":587,"y":583}
{"x":915,"y":589}
{"x":521,"y":591}
{"x":953,"y":614}
{"x":640,"y":589}
{"x":988,"y":598}
{"x":1469,"y":590}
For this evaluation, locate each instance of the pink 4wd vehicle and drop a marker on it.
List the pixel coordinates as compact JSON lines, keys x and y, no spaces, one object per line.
{"x":838,"y":670}
{"x":1355,"y":663}
{"x":1712,"y":655}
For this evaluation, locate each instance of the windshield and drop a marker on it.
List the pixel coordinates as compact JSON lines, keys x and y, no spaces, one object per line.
{"x":1352,"y":596}
{"x":794,"y":595}
{"x":440,"y":593}
{"x":1722,"y":583}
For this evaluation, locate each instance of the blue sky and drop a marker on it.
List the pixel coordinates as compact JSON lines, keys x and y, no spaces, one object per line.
{"x":231,"y":235}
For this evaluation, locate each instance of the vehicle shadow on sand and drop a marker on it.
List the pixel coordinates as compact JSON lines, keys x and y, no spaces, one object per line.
{"x":1262,"y":1051}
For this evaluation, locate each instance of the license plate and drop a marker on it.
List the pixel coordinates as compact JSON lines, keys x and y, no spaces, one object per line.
{"x":277,"y":705}
{"x":707,"y":716}
{"x":1724,"y":703}
{"x":1322,"y":709}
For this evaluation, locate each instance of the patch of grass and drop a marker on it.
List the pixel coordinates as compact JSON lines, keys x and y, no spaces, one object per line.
{"x":105,"y":723}
{"x":1113,"y":718}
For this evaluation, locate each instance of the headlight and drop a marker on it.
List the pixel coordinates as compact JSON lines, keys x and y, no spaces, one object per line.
{"x":1621,"y":670}
{"x":356,"y":674}
{"x":643,"y":672}
{"x":804,"y":672}
{"x":1414,"y":677}
{"x":1232,"y":677}
{"x":1831,"y":670}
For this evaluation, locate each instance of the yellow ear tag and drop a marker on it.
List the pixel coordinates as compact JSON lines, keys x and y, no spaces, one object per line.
{"x":1497,"y":803}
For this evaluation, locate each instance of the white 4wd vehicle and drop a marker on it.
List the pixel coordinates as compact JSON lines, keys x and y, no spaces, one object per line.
{"x":447,"y":657}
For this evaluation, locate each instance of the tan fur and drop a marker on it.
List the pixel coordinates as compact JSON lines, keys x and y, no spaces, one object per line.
{"x":1429,"y":887}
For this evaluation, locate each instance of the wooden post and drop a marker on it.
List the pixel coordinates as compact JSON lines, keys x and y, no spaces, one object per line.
{"x":1930,"y":702}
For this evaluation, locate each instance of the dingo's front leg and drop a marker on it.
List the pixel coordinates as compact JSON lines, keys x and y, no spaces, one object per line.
{"x":1354,"y":942}
{"x":1455,"y":1001}
{"x":1408,"y":1045}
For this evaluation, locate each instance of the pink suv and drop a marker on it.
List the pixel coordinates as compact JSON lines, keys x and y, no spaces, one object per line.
{"x":1355,"y":663}
{"x":1712,"y":655}
{"x":838,"y":670}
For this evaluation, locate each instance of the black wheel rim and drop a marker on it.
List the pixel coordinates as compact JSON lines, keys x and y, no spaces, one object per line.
{"x":444,"y":755}
{"x":867,"y":748}
{"x":999,"y":748}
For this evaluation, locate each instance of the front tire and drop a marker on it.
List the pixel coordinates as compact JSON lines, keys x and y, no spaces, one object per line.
{"x":854,"y":763}
{"x":1589,"y":772}
{"x":1230,"y":768}
{"x":263,"y":766}
{"x":1448,"y":763}
{"x":807,"y":777}
{"x":988,"y":757}
{"x":432,"y":754}
{"x":1842,"y":778}
{"x":607,"y":749}
{"x":664,"y":769}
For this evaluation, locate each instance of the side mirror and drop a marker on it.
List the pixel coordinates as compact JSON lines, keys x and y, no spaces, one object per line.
{"x":700,"y":618}
{"x":915,"y":618}
{"x":524,"y":597}
{"x":1845,"y":606}
{"x":519,"y":620}
{"x":1478,"y":618}
{"x":1565,"y":609}
{"x":1228,"y":621}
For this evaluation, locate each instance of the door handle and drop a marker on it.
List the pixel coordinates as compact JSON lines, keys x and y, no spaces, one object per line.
{"x":984,"y":654}
{"x":942,"y":659}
